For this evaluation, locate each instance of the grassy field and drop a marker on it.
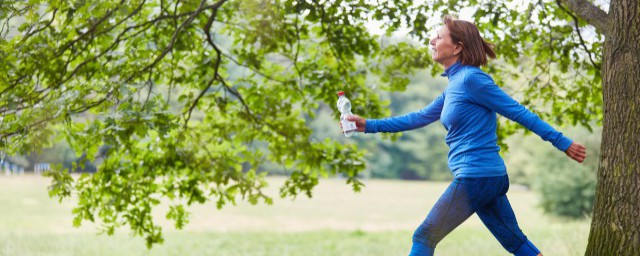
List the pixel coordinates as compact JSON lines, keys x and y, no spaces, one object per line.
{"x":336,"y":221}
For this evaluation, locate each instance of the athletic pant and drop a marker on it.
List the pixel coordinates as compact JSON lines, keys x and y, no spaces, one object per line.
{"x":485,"y":196}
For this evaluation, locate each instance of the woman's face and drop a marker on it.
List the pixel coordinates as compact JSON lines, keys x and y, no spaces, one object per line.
{"x":443,"y":50}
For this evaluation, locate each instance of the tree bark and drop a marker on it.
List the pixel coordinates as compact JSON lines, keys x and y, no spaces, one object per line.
{"x":615,"y":228}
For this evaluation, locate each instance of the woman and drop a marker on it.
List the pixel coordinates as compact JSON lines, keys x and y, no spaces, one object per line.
{"x":467,"y":108}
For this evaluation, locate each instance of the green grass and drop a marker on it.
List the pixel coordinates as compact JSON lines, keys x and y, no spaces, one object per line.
{"x":336,"y":221}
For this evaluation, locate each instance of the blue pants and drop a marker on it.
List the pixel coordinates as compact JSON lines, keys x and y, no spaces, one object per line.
{"x":486,"y":196}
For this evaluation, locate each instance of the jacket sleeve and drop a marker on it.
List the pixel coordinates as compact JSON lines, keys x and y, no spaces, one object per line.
{"x":409,"y":121}
{"x":483,"y":91}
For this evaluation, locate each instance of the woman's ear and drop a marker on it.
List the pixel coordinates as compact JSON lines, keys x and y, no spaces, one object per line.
{"x":457,"y":49}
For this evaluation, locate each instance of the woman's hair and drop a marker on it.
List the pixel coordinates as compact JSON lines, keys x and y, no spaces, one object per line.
{"x":474,"y":48}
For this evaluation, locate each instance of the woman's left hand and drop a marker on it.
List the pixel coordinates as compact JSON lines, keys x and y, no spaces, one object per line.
{"x":576,"y":152}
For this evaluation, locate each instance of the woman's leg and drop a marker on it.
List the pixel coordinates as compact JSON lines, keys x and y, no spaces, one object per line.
{"x":498,"y":216}
{"x":450,"y":211}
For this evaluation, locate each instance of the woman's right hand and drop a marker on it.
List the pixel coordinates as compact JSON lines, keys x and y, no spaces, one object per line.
{"x":361,"y":123}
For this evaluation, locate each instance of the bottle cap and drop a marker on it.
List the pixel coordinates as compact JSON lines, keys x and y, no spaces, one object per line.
{"x":340,"y":93}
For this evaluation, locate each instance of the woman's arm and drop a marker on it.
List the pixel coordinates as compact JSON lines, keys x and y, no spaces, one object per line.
{"x":483,"y":90}
{"x":410,"y":121}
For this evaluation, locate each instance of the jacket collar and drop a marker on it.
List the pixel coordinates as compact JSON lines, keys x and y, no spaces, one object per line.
{"x":451,"y":70}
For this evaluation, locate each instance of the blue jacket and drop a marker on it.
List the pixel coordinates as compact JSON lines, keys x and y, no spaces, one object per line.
{"x":467,"y":108}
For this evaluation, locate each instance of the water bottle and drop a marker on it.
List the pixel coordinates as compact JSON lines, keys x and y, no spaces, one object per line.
{"x":344,"y":106}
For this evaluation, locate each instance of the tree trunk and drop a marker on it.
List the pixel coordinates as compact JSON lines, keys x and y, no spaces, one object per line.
{"x":615,"y":228}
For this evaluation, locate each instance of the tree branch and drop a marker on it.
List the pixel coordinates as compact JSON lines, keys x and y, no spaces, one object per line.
{"x":330,"y":40}
{"x":24,"y":130}
{"x":150,"y":81}
{"x":228,"y":56}
{"x":47,"y":25}
{"x":295,"y":57}
{"x":91,"y":30}
{"x":13,"y":85}
{"x":216,"y":67}
{"x":195,"y":102}
{"x":590,"y":13}
{"x":169,"y":47}
{"x":207,"y":30}
{"x":576,"y":23}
